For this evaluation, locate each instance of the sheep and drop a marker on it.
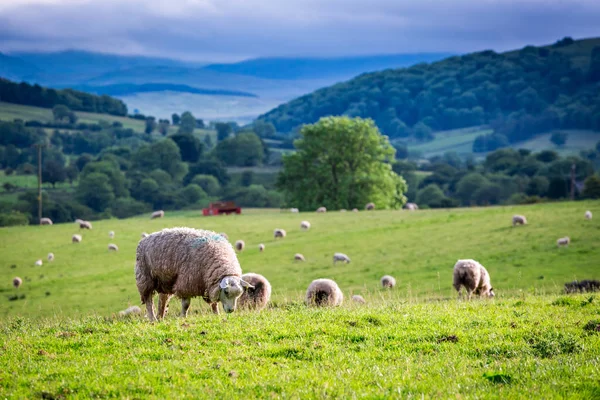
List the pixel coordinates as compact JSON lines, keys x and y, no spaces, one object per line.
{"x":239,"y":245}
{"x":474,"y":277}
{"x":294,"y":210}
{"x":85,"y":224}
{"x":130,"y":310}
{"x":279,"y":233}
{"x":323,"y":292}
{"x":255,"y":298}
{"x":588,"y":215}
{"x":321,"y":210}
{"x":519,"y":220}
{"x":388,"y":281}
{"x":78,"y":221}
{"x":341,"y":257}
{"x":299,"y":257}
{"x":582,"y":286}
{"x":144,"y":235}
{"x":187,"y":262}
{"x":370,"y":206}
{"x":358,"y":299}
{"x":17,"y":282}
{"x":111,"y":234}
{"x":38,"y":263}
{"x":343,"y":210}
{"x":261,"y":247}
{"x":113,"y":247}
{"x":305,"y":225}
{"x":45,"y":221}
{"x":563,"y":241}
{"x":157,"y":214}
{"x":411,"y":206}
{"x":50,"y":256}
{"x":355,"y":210}
{"x":76,"y":239}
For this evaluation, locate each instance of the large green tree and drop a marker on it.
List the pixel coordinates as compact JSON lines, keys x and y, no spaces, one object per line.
{"x":341,"y":162}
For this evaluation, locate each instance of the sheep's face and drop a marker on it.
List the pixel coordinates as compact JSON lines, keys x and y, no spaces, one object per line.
{"x":491,"y":293}
{"x":231,"y":288}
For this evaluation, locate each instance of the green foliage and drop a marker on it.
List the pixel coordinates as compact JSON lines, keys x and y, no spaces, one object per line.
{"x":591,"y":187}
{"x":175,"y":118}
{"x":559,"y":138}
{"x":163,"y":155}
{"x":128,"y":207}
{"x":224,"y":130}
{"x":491,"y":142}
{"x":244,"y":150}
{"x":150,"y":125}
{"x":192,"y":193}
{"x":53,"y":172}
{"x":468,"y":185}
{"x":187,"y":123}
{"x":95,"y":191}
{"x":13,"y":218}
{"x":431,"y":196}
{"x":208,"y":183}
{"x":190,"y":147}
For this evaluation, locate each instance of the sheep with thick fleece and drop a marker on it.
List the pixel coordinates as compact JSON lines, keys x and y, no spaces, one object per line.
{"x":323,"y":292}
{"x":113,"y":247}
{"x":294,"y":210}
{"x":321,"y":209}
{"x":341,"y":257}
{"x":355,"y":210}
{"x":388,"y":281}
{"x":111,"y":234}
{"x":85,"y":224}
{"x":187,"y":262}
{"x":38,"y":263}
{"x":50,"y":256}
{"x":239,"y":245}
{"x":76,"y":239}
{"x":130,"y":310}
{"x":279,"y":233}
{"x":357,"y":298}
{"x":299,"y":257}
{"x":563,"y":241}
{"x":519,"y":220}
{"x":17,"y":282}
{"x":257,"y":296}
{"x":370,"y":206}
{"x":474,"y":277}
{"x":305,"y":225}
{"x":588,"y":215}
{"x":157,"y":214}
{"x":411,"y":206}
{"x":45,"y":221}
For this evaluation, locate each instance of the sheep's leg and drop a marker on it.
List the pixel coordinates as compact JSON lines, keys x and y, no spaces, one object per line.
{"x":150,"y":309}
{"x":215,"y":307}
{"x":469,"y":294}
{"x":185,"y":306}
{"x":163,"y":302}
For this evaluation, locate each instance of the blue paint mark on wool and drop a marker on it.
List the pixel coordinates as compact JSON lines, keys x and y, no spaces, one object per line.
{"x":200,"y":241}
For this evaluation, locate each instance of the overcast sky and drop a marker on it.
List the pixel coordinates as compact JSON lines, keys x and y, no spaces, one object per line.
{"x":227,"y":30}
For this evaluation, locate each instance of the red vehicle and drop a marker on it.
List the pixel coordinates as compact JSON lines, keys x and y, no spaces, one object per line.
{"x":221,"y":207}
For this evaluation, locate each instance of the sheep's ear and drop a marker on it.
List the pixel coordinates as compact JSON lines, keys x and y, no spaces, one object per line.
{"x":246,"y":284}
{"x":224,"y":283}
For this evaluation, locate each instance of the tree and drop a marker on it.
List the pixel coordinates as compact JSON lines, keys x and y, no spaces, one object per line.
{"x":468,"y":185}
{"x":53,"y":172}
{"x":163,"y":128}
{"x":559,"y":138}
{"x":422,"y":132}
{"x":60,"y":112}
{"x":192,"y":193}
{"x":431,"y":195}
{"x":538,"y":186}
{"x":208,"y":142}
{"x":224,"y":130}
{"x":95,"y":191}
{"x":190,"y":147}
{"x":187,"y":124}
{"x":243,"y":150}
{"x":591,"y":187}
{"x":208,"y":183}
{"x":264,"y":129}
{"x":150,"y":125}
{"x":199,"y":123}
{"x":72,"y":173}
{"x":247,"y":178}
{"x":341,"y":163}
{"x":175,"y":118}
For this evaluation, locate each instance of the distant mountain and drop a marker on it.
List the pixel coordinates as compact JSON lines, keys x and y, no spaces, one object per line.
{"x":127,"y":89}
{"x":15,"y":68}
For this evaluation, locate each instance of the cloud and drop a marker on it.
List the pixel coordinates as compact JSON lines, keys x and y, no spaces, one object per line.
{"x":232,"y":29}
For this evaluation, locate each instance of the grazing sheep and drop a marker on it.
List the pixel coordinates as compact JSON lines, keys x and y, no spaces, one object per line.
{"x":370,"y":206}
{"x":187,"y":262}
{"x":321,"y":209}
{"x":582,"y":286}
{"x":76,"y":238}
{"x":85,"y":224}
{"x":255,"y":298}
{"x":239,"y":245}
{"x":50,"y":257}
{"x":474,"y":277}
{"x":144,"y":235}
{"x":38,"y":263}
{"x":130,"y":310}
{"x":341,"y":257}
{"x":157,"y":214}
{"x":305,"y":225}
{"x":45,"y":221}
{"x":279,"y":233}
{"x":299,"y":257}
{"x":563,"y":241}
{"x":111,"y":234}
{"x":355,"y":210}
{"x":78,"y":221}
{"x":388,"y":281}
{"x":113,"y":247}
{"x":358,"y":299}
{"x":324,"y":292}
{"x":261,"y":247}
{"x":343,"y":210}
{"x":17,"y":282}
{"x":519,"y":220}
{"x":588,"y":215}
{"x":294,"y":210}
{"x":411,"y":206}
{"x":224,"y":235}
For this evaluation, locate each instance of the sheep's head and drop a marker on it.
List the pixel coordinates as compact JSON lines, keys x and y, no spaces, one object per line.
{"x":230,"y":289}
{"x":491,"y":293}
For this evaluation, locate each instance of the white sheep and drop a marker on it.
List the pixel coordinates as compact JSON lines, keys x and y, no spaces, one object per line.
{"x":279,"y":233}
{"x":388,"y":281}
{"x":299,"y":257}
{"x":321,"y":209}
{"x":343,"y":210}
{"x":38,"y":263}
{"x":563,"y":241}
{"x":144,"y":235}
{"x":78,"y":221}
{"x":157,"y":214}
{"x":588,"y":215}
{"x":355,"y":210}
{"x":474,"y":277}
{"x":111,"y":234}
{"x":45,"y":221}
{"x":113,"y":247}
{"x":85,"y":224}
{"x":358,"y":299}
{"x":341,"y":257}
{"x":17,"y":282}
{"x":261,"y":247}
{"x":187,"y":262}
{"x":50,"y":256}
{"x":294,"y":210}
{"x":411,"y":206}
{"x":305,"y":225}
{"x":130,"y":310}
{"x":519,"y":220}
{"x":239,"y":245}
{"x":76,"y":239}
{"x":370,"y":206}
{"x":257,"y":296}
{"x":323,"y":292}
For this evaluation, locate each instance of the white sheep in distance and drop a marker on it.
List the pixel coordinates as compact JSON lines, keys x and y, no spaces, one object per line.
{"x":76,"y":239}
{"x":519,"y":220}
{"x":321,"y":210}
{"x":355,"y":210}
{"x":358,"y":299}
{"x":157,"y":214}
{"x":187,"y":262}
{"x":388,"y":281}
{"x":256,"y":297}
{"x":130,"y":311}
{"x":50,"y":256}
{"x":343,"y":210}
{"x":411,"y":206}
{"x":17,"y":282}
{"x":563,"y":241}
{"x":111,"y":234}
{"x":294,"y":210}
{"x":144,"y":235}
{"x":341,"y":257}
{"x":279,"y":233}
{"x":299,"y":257}
{"x":370,"y":206}
{"x":38,"y":263}
{"x":261,"y":247}
{"x":588,"y":215}
{"x":305,"y":225}
{"x":45,"y":221}
{"x":474,"y":277}
{"x":113,"y":247}
{"x":323,"y":292}
{"x":239,"y":245}
{"x":85,"y":225}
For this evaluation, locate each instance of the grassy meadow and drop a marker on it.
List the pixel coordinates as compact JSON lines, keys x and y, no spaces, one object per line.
{"x":64,"y":340}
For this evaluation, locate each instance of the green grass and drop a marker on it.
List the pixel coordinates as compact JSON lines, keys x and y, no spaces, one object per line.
{"x":458,"y":140}
{"x":26,"y":182}
{"x":576,"y":141}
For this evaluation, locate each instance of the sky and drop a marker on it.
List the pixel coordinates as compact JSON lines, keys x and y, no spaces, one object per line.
{"x":230,"y":30}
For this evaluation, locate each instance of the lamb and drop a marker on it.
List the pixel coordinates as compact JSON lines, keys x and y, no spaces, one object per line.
{"x":111,"y":234}
{"x":130,"y":310}
{"x":519,"y":220}
{"x":187,"y":262}
{"x":85,"y":224}
{"x":261,"y":247}
{"x":305,"y":225}
{"x":255,"y":298}
{"x":474,"y":277}
{"x":157,"y":214}
{"x":411,"y":206}
{"x":321,"y":209}
{"x":17,"y":282}
{"x":144,"y":235}
{"x":299,"y":257}
{"x":279,"y":233}
{"x":50,"y":257}
{"x":370,"y":206}
{"x":323,"y":292}
{"x":588,"y":215}
{"x":113,"y":247}
{"x":45,"y":221}
{"x":563,"y":241}
{"x":294,"y":210}
{"x":358,"y":299}
{"x":38,"y":263}
{"x":239,"y":245}
{"x":76,"y":239}
{"x":341,"y":257}
{"x":388,"y":281}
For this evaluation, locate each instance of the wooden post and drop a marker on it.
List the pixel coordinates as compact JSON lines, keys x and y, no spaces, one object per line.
{"x":573,"y":182}
{"x":39,"y":157}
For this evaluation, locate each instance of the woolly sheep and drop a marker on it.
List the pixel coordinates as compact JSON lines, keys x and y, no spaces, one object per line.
{"x":279,"y":233}
{"x":411,"y":206}
{"x":355,"y":210}
{"x":157,"y":214}
{"x":563,"y":241}
{"x":343,"y":210}
{"x":255,"y":298}
{"x":294,"y":210}
{"x":323,"y":292}
{"x":17,"y":282}
{"x":305,"y":225}
{"x":341,"y":257}
{"x":239,"y":245}
{"x":261,"y":247}
{"x":187,"y":262}
{"x":76,"y":238}
{"x":370,"y":206}
{"x":388,"y":281}
{"x":519,"y":220}
{"x":50,"y":257}
{"x":358,"y":299}
{"x":588,"y":215}
{"x":130,"y":310}
{"x":78,"y":221}
{"x":85,"y":224}
{"x":111,"y":234}
{"x":321,"y":209}
{"x":144,"y":235}
{"x":474,"y":277}
{"x":299,"y":257}
{"x":45,"y":221}
{"x":38,"y":263}
{"x":113,"y":247}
